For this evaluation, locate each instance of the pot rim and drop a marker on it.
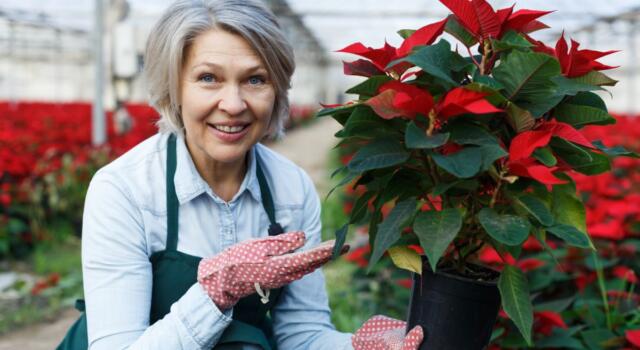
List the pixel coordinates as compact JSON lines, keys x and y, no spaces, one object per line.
{"x":447,"y":272}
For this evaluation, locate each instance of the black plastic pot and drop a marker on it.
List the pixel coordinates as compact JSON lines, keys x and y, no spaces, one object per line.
{"x":456,"y":313}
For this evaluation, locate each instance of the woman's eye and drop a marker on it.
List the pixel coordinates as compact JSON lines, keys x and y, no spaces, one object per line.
{"x":207,"y":78}
{"x":256,"y":80}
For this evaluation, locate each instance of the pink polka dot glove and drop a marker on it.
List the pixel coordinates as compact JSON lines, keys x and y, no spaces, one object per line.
{"x":385,"y":333}
{"x":258,"y":265}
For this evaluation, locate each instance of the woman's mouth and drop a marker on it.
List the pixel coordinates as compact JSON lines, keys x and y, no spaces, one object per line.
{"x":228,"y":133}
{"x":230,"y":129}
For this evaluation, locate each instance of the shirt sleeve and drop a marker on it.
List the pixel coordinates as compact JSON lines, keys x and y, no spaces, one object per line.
{"x":302,"y":318}
{"x":118,"y":281}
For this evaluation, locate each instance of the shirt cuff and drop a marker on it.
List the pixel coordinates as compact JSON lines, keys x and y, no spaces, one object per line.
{"x":201,"y":317}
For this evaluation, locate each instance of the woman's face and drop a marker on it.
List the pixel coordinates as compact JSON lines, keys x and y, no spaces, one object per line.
{"x":227,"y":98}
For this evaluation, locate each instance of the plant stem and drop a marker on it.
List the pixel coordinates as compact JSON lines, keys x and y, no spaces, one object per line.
{"x":486,"y":48}
{"x":432,"y":122}
{"x":474,"y":250}
{"x":494,"y":197}
{"x":603,"y":289}
{"x":473,"y":58}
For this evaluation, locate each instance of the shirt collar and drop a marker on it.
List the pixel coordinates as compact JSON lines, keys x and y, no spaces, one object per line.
{"x":189,"y":184}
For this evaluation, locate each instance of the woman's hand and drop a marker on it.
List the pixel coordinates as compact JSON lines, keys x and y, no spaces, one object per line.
{"x":384,"y":333}
{"x":257,"y":265}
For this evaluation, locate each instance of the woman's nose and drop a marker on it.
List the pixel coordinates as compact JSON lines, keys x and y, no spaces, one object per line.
{"x":231,"y":101}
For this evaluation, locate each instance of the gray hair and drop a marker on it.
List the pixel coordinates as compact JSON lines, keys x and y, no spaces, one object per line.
{"x":183,"y":21}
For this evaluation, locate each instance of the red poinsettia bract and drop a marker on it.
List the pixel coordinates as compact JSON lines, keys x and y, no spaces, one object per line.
{"x":522,"y":146}
{"x":633,"y":337}
{"x":397,"y":99}
{"x":479,"y":18}
{"x":574,"y":62}
{"x":380,"y":58}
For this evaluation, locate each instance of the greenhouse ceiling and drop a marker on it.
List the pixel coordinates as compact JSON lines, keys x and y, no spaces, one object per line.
{"x":337,"y":23}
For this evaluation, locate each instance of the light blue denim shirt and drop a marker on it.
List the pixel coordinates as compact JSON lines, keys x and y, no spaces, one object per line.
{"x":125,"y":223}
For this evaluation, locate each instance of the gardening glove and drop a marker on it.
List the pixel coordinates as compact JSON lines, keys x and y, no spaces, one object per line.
{"x":385,"y":333}
{"x":258,"y":265}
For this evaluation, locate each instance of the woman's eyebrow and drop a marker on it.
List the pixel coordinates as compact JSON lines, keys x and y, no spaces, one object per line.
{"x":249,"y":69}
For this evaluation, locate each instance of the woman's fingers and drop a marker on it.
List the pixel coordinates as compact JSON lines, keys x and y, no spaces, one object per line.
{"x":280,"y":244}
{"x":413,"y":339}
{"x":257,"y":250}
{"x":294,"y":266}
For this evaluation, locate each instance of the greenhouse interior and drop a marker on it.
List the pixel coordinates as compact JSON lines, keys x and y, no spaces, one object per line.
{"x":486,"y":141}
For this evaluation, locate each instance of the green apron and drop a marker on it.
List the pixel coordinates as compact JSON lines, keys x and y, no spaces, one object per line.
{"x":175,"y":272}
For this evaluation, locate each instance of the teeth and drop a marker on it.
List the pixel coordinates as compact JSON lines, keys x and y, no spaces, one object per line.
{"x":230,"y":129}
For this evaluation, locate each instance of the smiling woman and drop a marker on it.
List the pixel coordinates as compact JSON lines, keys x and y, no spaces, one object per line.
{"x":183,"y":239}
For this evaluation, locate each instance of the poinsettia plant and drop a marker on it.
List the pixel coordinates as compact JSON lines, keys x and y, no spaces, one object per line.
{"x":472,"y":149}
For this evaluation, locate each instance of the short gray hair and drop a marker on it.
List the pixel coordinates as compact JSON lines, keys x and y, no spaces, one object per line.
{"x":183,"y":21}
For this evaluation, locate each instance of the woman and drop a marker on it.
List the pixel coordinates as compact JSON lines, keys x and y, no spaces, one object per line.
{"x":218,"y":72}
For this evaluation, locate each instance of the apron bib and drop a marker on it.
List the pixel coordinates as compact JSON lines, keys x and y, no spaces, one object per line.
{"x":175,"y":272}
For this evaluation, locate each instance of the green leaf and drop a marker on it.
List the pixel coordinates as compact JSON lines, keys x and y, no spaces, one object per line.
{"x":388,"y":231}
{"x":511,"y":40}
{"x":571,"y":235}
{"x":370,"y":86}
{"x":329,"y":111}
{"x":527,"y":76}
{"x":567,"y":208}
{"x":616,"y":151}
{"x":462,"y":185}
{"x":595,"y":337}
{"x":406,"y":258}
{"x":557,"y":305}
{"x":515,"y":299}
{"x":405,"y":33}
{"x":470,"y":134}
{"x":433,"y":59}
{"x":541,"y":238}
{"x":580,"y":158}
{"x":462,"y":164}
{"x":360,"y":207}
{"x":489,"y":154}
{"x":378,"y":154}
{"x":596,"y":78}
{"x":585,"y":108}
{"x":16,"y":226}
{"x":454,"y":28}
{"x":416,"y":138}
{"x":559,"y":340}
{"x":364,"y":122}
{"x":341,"y":236}
{"x":345,"y":180}
{"x":497,"y":333}
{"x":569,"y":152}
{"x":539,"y":107}
{"x":506,"y":229}
{"x":470,"y":160}
{"x":404,"y":183}
{"x":571,"y":87}
{"x":545,"y":156}
{"x":436,"y":230}
{"x":537,"y":209}
{"x":460,"y":64}
{"x":519,"y":119}
{"x":488,"y":81}
{"x":600,"y":164}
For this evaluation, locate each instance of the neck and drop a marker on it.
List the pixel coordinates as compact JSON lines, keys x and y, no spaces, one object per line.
{"x":223,"y":178}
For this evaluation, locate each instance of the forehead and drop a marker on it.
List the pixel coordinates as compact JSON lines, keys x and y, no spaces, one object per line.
{"x":219,"y":46}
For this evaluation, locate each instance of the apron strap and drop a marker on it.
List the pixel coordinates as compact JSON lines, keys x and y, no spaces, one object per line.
{"x":172,"y":198}
{"x":173,"y":204}
{"x":267,"y":200}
